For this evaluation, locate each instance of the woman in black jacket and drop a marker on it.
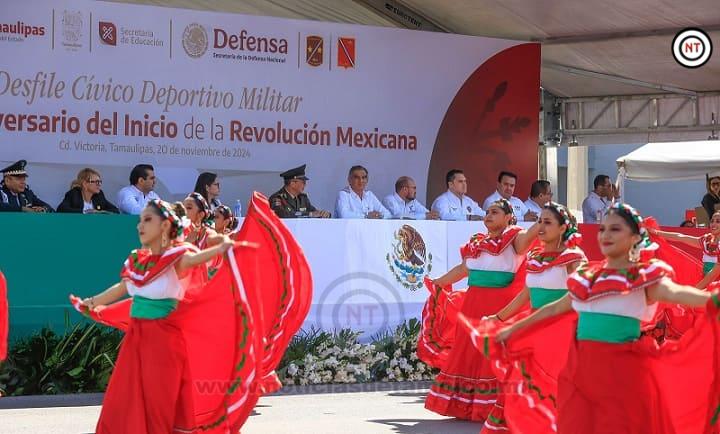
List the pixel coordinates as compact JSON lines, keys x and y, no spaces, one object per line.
{"x":85,"y":195}
{"x":712,"y":198}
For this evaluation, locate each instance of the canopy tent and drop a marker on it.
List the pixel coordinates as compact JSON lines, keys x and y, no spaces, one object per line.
{"x":671,"y":161}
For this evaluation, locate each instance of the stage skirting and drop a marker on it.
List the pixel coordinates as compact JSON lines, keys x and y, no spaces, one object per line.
{"x":367,"y":274}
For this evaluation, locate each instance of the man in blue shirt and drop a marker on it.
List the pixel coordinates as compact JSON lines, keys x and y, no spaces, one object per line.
{"x":133,"y":198}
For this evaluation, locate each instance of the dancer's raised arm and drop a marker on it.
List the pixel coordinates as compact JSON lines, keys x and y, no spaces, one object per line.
{"x":114,"y":293}
{"x":680,"y":238}
{"x":190,"y":260}
{"x":556,"y":308}
{"x":514,"y":306}
{"x":453,"y":275}
{"x":670,"y":292}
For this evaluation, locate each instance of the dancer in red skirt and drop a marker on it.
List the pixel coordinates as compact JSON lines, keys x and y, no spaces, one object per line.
{"x":151,"y":389}
{"x":614,"y":381}
{"x":196,"y":364}
{"x":530,"y":363}
{"x":466,"y":387}
{"x":708,"y":243}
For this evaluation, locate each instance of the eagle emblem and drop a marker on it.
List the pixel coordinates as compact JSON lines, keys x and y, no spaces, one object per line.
{"x":409,"y":259}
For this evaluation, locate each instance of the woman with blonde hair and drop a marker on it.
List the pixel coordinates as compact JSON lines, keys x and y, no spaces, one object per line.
{"x":85,"y":195}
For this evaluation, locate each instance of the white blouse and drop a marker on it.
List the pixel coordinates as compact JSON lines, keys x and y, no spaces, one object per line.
{"x":166,"y":285}
{"x":632,"y":305}
{"x":551,"y":278}
{"x":507,"y":261}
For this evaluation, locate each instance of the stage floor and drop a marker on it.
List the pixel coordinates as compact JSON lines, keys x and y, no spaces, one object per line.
{"x":395,"y":408}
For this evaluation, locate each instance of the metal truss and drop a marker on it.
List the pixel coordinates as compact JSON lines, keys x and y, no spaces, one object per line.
{"x":573,"y":119}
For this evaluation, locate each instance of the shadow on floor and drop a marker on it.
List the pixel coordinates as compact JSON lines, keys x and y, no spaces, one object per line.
{"x":419,"y":396}
{"x":424,"y":426}
{"x":50,"y":401}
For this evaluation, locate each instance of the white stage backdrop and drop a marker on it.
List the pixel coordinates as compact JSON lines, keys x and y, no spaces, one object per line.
{"x":107,"y":85}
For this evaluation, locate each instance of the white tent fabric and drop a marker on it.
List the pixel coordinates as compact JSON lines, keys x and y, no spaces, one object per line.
{"x":671,"y":161}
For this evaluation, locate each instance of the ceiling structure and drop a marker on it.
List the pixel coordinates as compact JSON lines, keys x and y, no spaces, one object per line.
{"x":628,"y":40}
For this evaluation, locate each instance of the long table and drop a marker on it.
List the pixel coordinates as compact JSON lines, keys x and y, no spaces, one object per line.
{"x":365,"y":278}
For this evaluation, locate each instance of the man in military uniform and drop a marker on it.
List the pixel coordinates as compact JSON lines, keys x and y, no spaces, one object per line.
{"x":290,"y":201}
{"x":15,"y":194}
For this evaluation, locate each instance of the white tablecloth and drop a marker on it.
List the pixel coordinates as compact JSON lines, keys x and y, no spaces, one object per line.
{"x":361,"y":278}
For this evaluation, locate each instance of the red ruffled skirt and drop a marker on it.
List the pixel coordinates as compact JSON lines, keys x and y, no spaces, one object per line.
{"x":203,"y":368}
{"x":609,"y":388}
{"x":150,"y":390}
{"x":466,"y":387}
{"x":191,"y":371}
{"x":529,"y":365}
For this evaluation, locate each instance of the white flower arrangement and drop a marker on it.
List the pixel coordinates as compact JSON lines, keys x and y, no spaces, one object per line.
{"x":321,"y":358}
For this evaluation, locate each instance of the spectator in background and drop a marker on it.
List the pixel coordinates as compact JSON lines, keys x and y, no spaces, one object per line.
{"x":15,"y":195}
{"x":711,"y":200}
{"x":225,"y":221}
{"x":540,"y":194}
{"x":85,"y":195}
{"x":454,"y":204}
{"x":208,"y":186}
{"x":133,"y":198}
{"x":356,"y":202}
{"x":403,"y":204}
{"x":599,"y":200}
{"x":505,"y":190}
{"x":687,"y":224}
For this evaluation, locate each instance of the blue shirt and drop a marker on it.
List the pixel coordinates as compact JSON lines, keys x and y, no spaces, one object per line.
{"x":132,"y":201}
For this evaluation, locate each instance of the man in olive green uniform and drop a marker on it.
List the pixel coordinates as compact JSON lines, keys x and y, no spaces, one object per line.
{"x":290,"y":201}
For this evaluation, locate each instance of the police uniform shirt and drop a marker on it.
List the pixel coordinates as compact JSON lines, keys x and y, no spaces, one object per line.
{"x":10,"y":201}
{"x":287,"y":206}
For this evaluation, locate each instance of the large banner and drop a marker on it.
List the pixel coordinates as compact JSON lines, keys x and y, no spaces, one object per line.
{"x":108,"y":85}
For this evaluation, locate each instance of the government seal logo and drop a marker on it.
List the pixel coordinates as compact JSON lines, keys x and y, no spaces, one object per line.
{"x":409,"y":260}
{"x":195,"y":40}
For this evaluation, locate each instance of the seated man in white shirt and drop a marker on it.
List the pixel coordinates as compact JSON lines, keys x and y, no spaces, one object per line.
{"x":403,"y":203}
{"x":133,"y":198}
{"x":505,"y":189}
{"x":355,"y":202}
{"x":599,"y":200}
{"x":540,"y":194}
{"x":454,"y":204}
